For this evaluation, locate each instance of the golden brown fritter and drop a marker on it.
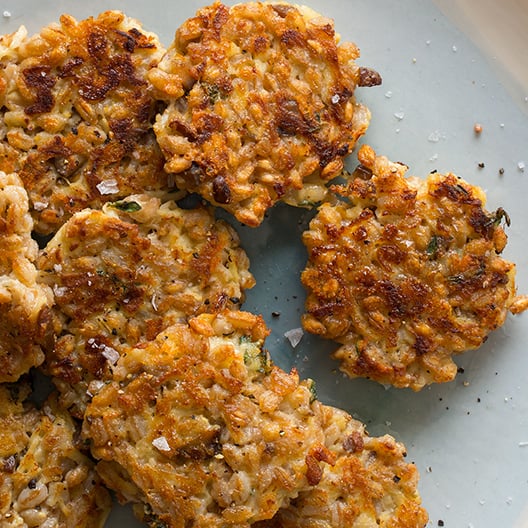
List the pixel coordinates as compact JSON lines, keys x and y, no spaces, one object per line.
{"x":123,"y":274}
{"x":199,"y":429}
{"x":261,"y":106}
{"x":77,"y":114}
{"x":366,"y":484}
{"x":406,"y":273}
{"x":45,"y":480}
{"x":24,"y":304}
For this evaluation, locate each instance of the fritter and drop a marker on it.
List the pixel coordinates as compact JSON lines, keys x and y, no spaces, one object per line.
{"x":367,"y":484}
{"x":405,"y":273}
{"x":77,"y":114}
{"x":261,"y":106}
{"x":24,"y":304}
{"x":45,"y":479}
{"x":122,"y":275}
{"x":199,"y":429}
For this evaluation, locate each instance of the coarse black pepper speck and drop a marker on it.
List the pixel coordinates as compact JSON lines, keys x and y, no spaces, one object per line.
{"x":440,"y":522}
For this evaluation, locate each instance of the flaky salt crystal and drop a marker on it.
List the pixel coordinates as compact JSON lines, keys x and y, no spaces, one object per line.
{"x":108,"y":187}
{"x":39,"y":206}
{"x":111,"y":354}
{"x":434,"y":137}
{"x":161,"y":444}
{"x":94,"y":387}
{"x":294,"y":336}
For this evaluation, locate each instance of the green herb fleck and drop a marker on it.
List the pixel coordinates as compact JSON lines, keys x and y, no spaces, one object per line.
{"x":256,"y":359}
{"x":127,"y":207}
{"x":212,"y":91}
{"x":433,"y":246}
{"x":313,"y":391}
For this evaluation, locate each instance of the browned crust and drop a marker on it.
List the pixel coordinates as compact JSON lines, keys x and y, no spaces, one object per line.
{"x":261,"y":100}
{"x":122,"y":277}
{"x":78,"y":112}
{"x":366,"y":481}
{"x":24,"y":304}
{"x":203,"y":428}
{"x":200,"y":429}
{"x":407,"y":274}
{"x":44,"y":476}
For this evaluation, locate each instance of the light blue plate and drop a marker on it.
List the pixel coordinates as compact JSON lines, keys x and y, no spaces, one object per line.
{"x":468,"y":438}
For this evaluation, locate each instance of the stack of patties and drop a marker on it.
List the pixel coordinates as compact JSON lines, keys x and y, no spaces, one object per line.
{"x":45,"y":478}
{"x":146,"y":342}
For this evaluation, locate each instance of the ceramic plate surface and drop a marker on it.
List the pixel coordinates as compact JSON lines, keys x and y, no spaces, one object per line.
{"x":468,"y":438}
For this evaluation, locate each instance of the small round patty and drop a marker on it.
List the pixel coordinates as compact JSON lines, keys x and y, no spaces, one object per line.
{"x":261,"y":106}
{"x":123,"y":274}
{"x":367,"y":482}
{"x":405,"y":272}
{"x":199,"y":429}
{"x":77,"y":114}
{"x":45,"y":479}
{"x":24,"y":303}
